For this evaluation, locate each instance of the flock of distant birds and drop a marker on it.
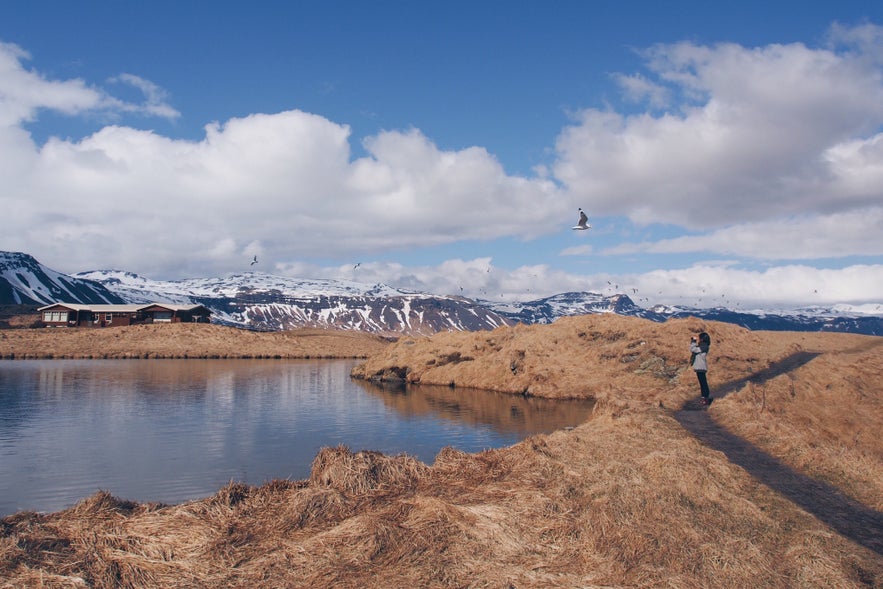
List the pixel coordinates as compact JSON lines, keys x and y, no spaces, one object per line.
{"x":581,"y":225}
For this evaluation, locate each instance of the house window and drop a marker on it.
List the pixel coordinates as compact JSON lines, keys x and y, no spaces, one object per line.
{"x":162,"y":316}
{"x":108,"y":316}
{"x":54,"y":316}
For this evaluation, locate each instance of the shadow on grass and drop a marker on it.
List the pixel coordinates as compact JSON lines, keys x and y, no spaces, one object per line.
{"x":828,"y":504}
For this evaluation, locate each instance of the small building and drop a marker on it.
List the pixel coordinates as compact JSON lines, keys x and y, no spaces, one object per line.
{"x":169,"y":313}
{"x":84,"y":315}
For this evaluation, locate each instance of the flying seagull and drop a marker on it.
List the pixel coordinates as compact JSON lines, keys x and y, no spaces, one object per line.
{"x":254,"y":261}
{"x":583,"y":222}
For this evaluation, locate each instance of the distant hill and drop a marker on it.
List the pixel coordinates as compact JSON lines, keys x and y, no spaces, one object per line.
{"x":25,"y":281}
{"x":271,"y":303}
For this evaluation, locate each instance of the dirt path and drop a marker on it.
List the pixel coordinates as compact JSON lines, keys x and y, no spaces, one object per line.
{"x":825,"y":502}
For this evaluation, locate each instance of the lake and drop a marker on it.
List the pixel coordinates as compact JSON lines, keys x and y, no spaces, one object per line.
{"x":174,"y":430}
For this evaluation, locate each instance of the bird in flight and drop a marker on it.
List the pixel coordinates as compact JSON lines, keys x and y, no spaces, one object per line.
{"x":254,"y":261}
{"x":583,"y":222}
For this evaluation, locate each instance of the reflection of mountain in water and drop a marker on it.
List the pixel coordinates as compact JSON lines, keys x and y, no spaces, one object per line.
{"x":503,"y":412}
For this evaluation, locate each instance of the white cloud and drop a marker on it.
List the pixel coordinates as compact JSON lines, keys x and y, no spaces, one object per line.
{"x":154,"y":98}
{"x":761,"y":133}
{"x":638,"y":88}
{"x":798,"y":238}
{"x":474,"y":278}
{"x":23,"y":93}
{"x":781,"y":286}
{"x":866,"y":38}
{"x":284,"y":180}
{"x":578,"y":250}
{"x":856,"y":169}
{"x":704,"y":285}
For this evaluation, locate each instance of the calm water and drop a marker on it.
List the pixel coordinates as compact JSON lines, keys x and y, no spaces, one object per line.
{"x":173,"y":430}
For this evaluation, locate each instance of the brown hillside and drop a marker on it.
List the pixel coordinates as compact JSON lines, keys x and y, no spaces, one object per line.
{"x":630,"y":498}
{"x":607,"y":357}
{"x":823,"y":419}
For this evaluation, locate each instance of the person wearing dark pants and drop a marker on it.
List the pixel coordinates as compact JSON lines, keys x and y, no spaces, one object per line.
{"x":699,"y":361}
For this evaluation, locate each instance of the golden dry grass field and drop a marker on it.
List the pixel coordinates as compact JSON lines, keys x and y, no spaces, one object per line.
{"x":637,"y":496}
{"x":185,"y":340}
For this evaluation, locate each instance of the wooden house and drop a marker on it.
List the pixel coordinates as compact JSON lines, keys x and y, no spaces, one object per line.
{"x":84,"y":315}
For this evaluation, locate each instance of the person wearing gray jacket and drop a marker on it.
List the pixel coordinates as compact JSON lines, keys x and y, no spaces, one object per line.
{"x":699,"y":362}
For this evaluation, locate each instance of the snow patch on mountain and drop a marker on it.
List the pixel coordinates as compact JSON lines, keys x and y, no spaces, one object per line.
{"x":233,"y":285}
{"x":24,"y":281}
{"x":261,"y":301}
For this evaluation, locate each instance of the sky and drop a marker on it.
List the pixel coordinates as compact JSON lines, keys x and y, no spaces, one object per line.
{"x":726,"y":155}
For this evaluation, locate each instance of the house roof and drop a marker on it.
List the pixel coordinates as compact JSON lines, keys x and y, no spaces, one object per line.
{"x":173,"y":307}
{"x":128,"y":308}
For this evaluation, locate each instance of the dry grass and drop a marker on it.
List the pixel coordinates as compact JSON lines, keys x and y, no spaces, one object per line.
{"x":185,"y":340}
{"x":606,"y":357}
{"x":627,"y":499}
{"x":823,"y":419}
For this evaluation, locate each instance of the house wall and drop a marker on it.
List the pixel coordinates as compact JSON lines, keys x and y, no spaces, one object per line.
{"x":120,"y":319}
{"x":62,"y":317}
{"x":153,"y":315}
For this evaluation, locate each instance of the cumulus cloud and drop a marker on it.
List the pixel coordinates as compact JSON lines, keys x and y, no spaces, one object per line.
{"x":797,"y":238}
{"x":282,"y":185}
{"x":757,"y":133}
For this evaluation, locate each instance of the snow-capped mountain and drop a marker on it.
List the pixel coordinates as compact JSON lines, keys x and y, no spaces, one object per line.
{"x":139,"y":289}
{"x":865,"y":319}
{"x":548,"y":309}
{"x":25,"y":281}
{"x":815,"y":319}
{"x":264,"y":302}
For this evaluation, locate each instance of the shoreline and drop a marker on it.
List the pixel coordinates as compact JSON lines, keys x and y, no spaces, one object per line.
{"x":155,"y":356}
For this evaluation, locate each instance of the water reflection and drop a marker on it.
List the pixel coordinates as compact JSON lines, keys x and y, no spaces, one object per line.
{"x":507,"y":414}
{"x":172,"y":430}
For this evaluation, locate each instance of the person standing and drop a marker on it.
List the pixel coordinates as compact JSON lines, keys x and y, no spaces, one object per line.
{"x":699,"y":362}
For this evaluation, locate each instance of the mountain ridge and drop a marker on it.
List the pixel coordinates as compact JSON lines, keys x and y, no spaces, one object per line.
{"x":266,"y":302}
{"x":25,"y":281}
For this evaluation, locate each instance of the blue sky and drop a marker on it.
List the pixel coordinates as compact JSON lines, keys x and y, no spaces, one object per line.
{"x":725,"y":154}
